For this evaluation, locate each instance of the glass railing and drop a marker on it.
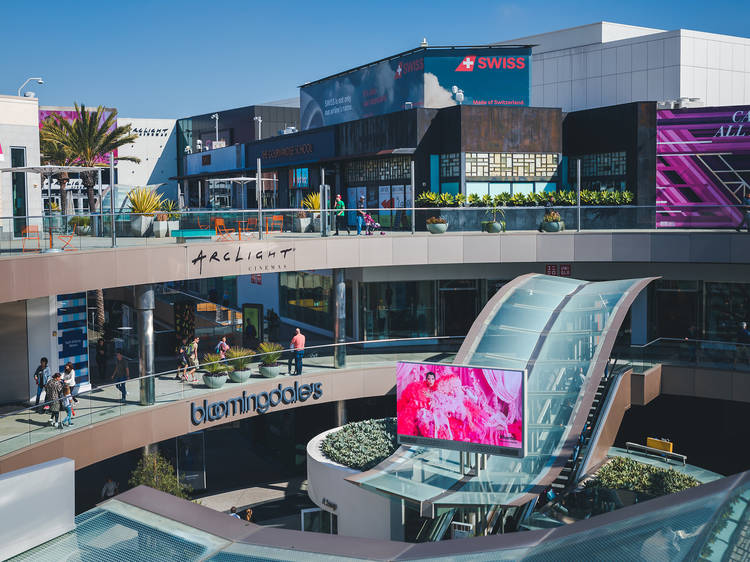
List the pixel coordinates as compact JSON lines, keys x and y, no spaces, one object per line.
{"x":28,"y":426}
{"x":710,"y":354}
{"x":57,"y":232}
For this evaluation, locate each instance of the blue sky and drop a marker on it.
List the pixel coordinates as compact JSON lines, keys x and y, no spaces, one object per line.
{"x":165,"y":58}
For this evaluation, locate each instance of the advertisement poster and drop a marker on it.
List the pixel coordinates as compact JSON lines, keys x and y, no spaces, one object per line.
{"x":702,"y":166}
{"x":427,"y":77}
{"x":71,"y":115}
{"x":72,"y":334}
{"x":457,"y":407}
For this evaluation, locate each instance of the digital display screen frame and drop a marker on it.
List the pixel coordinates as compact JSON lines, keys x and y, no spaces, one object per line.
{"x":470,"y":396}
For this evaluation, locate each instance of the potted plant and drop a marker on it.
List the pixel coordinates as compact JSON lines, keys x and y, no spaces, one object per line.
{"x":55,"y":217}
{"x":302,"y":221}
{"x":160,"y":226}
{"x":493,"y":210}
{"x":144,"y":202}
{"x":239,"y":358}
{"x":173,"y":216}
{"x":81,"y":224}
{"x":214,"y":370}
{"x":552,"y":222}
{"x":312,"y":203}
{"x":437,"y":225}
{"x":271,"y":353}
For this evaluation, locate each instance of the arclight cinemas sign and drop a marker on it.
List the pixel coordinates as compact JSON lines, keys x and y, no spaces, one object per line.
{"x":259,"y":403}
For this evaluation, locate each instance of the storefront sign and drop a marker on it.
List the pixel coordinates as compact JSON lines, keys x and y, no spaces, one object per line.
{"x":564,"y":270}
{"x":253,"y":258}
{"x":550,"y":269}
{"x":259,"y":403}
{"x":150,"y":132}
{"x":559,"y":270}
{"x":294,"y":149}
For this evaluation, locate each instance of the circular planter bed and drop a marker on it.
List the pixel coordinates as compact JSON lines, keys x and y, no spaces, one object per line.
{"x":215,"y":381}
{"x":437,"y":227}
{"x":240,"y":376}
{"x":361,"y":445}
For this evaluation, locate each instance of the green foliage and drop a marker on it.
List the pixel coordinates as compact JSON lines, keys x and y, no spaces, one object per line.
{"x":552,"y":216}
{"x":144,"y":200}
{"x":214,"y":365}
{"x":239,"y":357}
{"x":474,"y":200}
{"x":427,"y":199}
{"x":155,"y":471}
{"x":54,"y":207}
{"x":80,"y":220}
{"x":627,"y":474}
{"x":312,"y":201}
{"x":171,"y":209}
{"x":362,"y":445}
{"x":446,"y":200}
{"x":271,"y":352}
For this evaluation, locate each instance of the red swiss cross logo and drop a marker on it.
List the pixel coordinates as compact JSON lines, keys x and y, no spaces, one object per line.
{"x":466,"y":65}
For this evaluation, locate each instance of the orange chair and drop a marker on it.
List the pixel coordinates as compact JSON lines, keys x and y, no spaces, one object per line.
{"x":252,"y":223}
{"x":224,"y":233}
{"x":26,"y":234}
{"x":203,"y":226}
{"x":66,"y":239}
{"x":275,"y":223}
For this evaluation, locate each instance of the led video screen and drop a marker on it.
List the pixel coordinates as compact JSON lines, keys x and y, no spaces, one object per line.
{"x":461,"y":407}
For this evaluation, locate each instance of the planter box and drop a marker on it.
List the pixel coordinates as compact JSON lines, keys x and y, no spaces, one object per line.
{"x":492,"y":227}
{"x":437,"y":228}
{"x":270,"y":371}
{"x":173,"y":225}
{"x":302,"y":224}
{"x":140,"y":225}
{"x":83,"y":230}
{"x":214,"y":382}
{"x":316,"y":223}
{"x":161,"y":229}
{"x":240,"y":376}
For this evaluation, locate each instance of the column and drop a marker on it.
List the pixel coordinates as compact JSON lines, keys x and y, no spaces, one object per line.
{"x":639,"y":319}
{"x":144,"y":306}
{"x":340,"y":413}
{"x":355,"y":311}
{"x":339,"y":318}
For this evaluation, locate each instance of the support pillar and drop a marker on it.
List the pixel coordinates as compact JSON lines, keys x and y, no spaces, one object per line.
{"x":340,"y":413}
{"x":144,"y":306}
{"x":339,"y":319}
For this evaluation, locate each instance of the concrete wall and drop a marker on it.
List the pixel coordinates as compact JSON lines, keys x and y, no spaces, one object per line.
{"x":38,"y":505}
{"x":705,"y":383}
{"x":41,"y":323}
{"x":360,"y":513}
{"x":156,"y":146}
{"x":14,"y":353}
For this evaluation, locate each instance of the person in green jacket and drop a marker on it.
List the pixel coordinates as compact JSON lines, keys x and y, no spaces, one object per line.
{"x":340,"y":214}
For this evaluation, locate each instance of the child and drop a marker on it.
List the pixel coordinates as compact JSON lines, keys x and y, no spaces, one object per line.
{"x":68,"y":405}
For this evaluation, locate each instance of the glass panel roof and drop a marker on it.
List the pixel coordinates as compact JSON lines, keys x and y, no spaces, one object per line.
{"x":563,"y":321}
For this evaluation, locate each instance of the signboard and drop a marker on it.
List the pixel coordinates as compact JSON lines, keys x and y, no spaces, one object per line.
{"x":458,"y":407}
{"x":72,"y":335}
{"x":702,"y":166}
{"x":71,"y":115}
{"x":428,"y":77}
{"x":550,"y":269}
{"x":292,"y":149}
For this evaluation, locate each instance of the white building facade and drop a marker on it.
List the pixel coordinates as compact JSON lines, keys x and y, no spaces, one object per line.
{"x":156,"y":147}
{"x":605,"y":64}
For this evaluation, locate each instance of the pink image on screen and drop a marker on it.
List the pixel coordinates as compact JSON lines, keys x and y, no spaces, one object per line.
{"x":473,"y":405}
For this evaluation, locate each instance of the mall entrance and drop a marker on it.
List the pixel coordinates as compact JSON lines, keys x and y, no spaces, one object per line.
{"x":458,"y":302}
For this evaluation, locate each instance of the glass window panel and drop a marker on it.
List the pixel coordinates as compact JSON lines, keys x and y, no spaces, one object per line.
{"x":522,"y":187}
{"x":477,"y":188}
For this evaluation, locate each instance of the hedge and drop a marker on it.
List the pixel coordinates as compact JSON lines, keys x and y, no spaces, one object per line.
{"x":563,"y":198}
{"x":361,"y":445}
{"x":626,"y":474}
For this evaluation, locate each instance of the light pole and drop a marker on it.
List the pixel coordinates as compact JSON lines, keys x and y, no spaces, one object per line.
{"x":215,"y":116}
{"x":259,"y":120}
{"x":38,"y":81}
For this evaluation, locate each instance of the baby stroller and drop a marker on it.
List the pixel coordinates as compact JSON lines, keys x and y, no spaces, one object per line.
{"x":371,"y":225}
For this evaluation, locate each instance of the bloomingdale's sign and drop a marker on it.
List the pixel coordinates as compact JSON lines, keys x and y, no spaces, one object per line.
{"x":259,"y":403}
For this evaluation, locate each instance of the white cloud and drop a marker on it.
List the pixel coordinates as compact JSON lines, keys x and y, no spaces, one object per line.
{"x":435,"y":96}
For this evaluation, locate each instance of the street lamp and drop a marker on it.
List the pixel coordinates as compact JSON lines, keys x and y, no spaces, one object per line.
{"x":216,"y":117}
{"x":259,"y":120}
{"x":38,"y":81}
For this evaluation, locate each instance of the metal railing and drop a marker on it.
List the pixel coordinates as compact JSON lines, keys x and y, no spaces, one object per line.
{"x":24,"y":427}
{"x":55,"y":232}
{"x":716,"y":354}
{"x":654,"y":451}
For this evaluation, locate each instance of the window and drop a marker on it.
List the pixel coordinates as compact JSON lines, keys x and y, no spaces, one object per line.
{"x":403,"y":309}
{"x":299,"y":178}
{"x":17,"y":159}
{"x":511,"y":165}
{"x":307,"y":297}
{"x":450,"y":165}
{"x":397,"y":167}
{"x":600,"y":171}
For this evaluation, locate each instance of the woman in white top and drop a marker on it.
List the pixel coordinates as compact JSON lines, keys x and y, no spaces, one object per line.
{"x":69,"y":378}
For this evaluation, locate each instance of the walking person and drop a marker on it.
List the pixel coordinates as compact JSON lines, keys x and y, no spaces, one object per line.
{"x":67,"y":403}
{"x":101,"y":359}
{"x":222,"y":347}
{"x":69,"y":379}
{"x":54,"y":395}
{"x":298,"y":345}
{"x":110,"y":488}
{"x":192,"y":353}
{"x":41,"y":378}
{"x":233,"y":512}
{"x":340,"y":213}
{"x":360,"y":214}
{"x":182,"y":361}
{"x":745,"y":214}
{"x":121,"y":374}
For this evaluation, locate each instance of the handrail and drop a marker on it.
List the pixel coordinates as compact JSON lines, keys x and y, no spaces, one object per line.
{"x":251,"y":357}
{"x":655,"y":451}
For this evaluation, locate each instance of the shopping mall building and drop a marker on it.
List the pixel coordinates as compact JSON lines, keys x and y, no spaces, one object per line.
{"x":656,"y":118}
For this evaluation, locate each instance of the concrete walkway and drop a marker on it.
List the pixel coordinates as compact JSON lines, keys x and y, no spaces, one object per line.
{"x":249,"y":497}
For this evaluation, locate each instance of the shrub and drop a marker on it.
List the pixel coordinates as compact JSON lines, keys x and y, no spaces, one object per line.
{"x":239,"y":357}
{"x":214,"y":365}
{"x":144,"y":200}
{"x":552,"y":216}
{"x":155,"y":471}
{"x":436,"y":220}
{"x":171,"y":209}
{"x":361,"y":445}
{"x":80,"y":220}
{"x":269,"y":352}
{"x":627,"y":474}
{"x":427,"y":199}
{"x":311,"y":202}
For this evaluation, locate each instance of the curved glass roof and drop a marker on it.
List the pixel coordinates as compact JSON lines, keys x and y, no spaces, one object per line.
{"x":556,"y":329}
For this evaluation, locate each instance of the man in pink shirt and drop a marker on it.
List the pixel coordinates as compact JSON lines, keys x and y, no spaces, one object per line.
{"x":298,"y":346}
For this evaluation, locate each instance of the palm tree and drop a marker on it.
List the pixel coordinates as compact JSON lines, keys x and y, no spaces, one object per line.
{"x":89,"y":137}
{"x":57,"y":154}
